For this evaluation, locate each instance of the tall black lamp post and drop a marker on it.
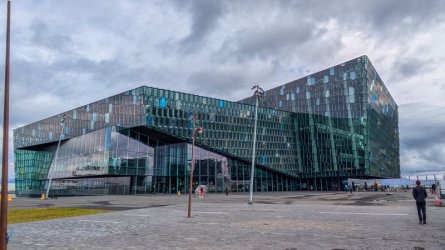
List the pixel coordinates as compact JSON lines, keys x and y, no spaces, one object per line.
{"x":4,"y":193}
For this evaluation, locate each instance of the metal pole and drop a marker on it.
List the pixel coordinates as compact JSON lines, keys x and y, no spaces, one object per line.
{"x":55,"y":157}
{"x":192,"y":167}
{"x":257,"y":96}
{"x":4,"y":193}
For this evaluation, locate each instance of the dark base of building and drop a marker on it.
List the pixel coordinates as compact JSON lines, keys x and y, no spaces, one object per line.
{"x":134,"y":185}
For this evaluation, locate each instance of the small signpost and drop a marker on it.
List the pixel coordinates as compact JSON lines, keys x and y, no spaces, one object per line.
{"x":201,"y":191}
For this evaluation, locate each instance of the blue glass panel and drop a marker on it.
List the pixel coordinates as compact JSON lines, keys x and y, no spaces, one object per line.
{"x":162,"y":102}
{"x":107,"y":138}
{"x":263,"y":159}
{"x":353,"y":75}
{"x":149,"y":120}
{"x":191,"y":122}
{"x":221,"y":103}
{"x":374,"y":98}
{"x":332,"y":71}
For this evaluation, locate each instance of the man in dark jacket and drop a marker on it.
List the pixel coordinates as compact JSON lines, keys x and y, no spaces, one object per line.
{"x":419,"y":194}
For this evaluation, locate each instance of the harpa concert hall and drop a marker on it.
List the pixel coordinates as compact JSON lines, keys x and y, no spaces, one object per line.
{"x":317,"y":131}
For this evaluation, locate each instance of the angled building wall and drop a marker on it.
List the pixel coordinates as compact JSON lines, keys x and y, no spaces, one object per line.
{"x":347,"y":119}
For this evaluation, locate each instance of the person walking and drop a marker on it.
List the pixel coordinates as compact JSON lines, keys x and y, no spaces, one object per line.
{"x":419,"y":194}
{"x":346,"y":188}
{"x":227,"y":190}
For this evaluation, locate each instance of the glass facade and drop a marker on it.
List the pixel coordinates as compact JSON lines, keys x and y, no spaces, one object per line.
{"x":346,"y":122}
{"x":316,"y":130}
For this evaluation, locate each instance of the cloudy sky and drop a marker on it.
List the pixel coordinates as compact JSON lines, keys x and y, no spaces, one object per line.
{"x":68,"y":53}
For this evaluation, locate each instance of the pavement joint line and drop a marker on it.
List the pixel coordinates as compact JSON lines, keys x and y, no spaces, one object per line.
{"x":259,"y":210}
{"x":361,"y":213}
{"x":141,"y":215}
{"x":285,"y":234}
{"x":100,"y":221}
{"x":210,"y":212}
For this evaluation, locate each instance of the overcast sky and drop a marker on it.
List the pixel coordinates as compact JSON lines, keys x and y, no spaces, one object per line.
{"x":65,"y":54}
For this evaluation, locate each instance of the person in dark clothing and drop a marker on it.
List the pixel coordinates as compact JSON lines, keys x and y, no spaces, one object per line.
{"x":419,"y":194}
{"x":433,"y":189}
{"x":227,"y":190}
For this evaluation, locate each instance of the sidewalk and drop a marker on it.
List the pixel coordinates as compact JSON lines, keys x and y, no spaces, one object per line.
{"x":307,"y":220}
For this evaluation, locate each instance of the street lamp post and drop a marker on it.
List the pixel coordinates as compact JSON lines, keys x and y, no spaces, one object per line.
{"x":62,"y":121}
{"x":258,"y":93}
{"x":4,"y":193}
{"x":192,"y":167}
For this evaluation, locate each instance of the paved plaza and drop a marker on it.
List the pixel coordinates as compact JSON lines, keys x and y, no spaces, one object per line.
{"x":285,"y":220}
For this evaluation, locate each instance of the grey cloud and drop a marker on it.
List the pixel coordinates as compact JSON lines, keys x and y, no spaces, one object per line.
{"x":205,"y":16}
{"x":410,"y":68}
{"x":218,"y":83}
{"x":406,"y":67}
{"x":422,"y":141}
{"x":423,"y":137}
{"x":391,"y":15}
{"x":423,"y":128}
{"x":43,"y":36}
{"x":263,"y":44}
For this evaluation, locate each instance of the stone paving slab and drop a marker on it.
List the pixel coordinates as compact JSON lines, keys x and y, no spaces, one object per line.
{"x":221,"y":222}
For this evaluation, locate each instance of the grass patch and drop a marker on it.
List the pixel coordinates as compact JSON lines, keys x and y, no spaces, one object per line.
{"x":36,"y":214}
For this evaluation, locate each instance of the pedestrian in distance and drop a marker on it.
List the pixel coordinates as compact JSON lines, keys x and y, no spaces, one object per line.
{"x":346,"y":188}
{"x":227,"y":191}
{"x":420,"y":194}
{"x":433,"y":189}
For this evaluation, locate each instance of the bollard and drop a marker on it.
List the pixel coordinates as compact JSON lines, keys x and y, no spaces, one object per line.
{"x":42,"y":197}
{"x":437,"y":202}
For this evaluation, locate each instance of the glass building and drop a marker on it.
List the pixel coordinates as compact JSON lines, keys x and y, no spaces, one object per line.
{"x":317,"y":131}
